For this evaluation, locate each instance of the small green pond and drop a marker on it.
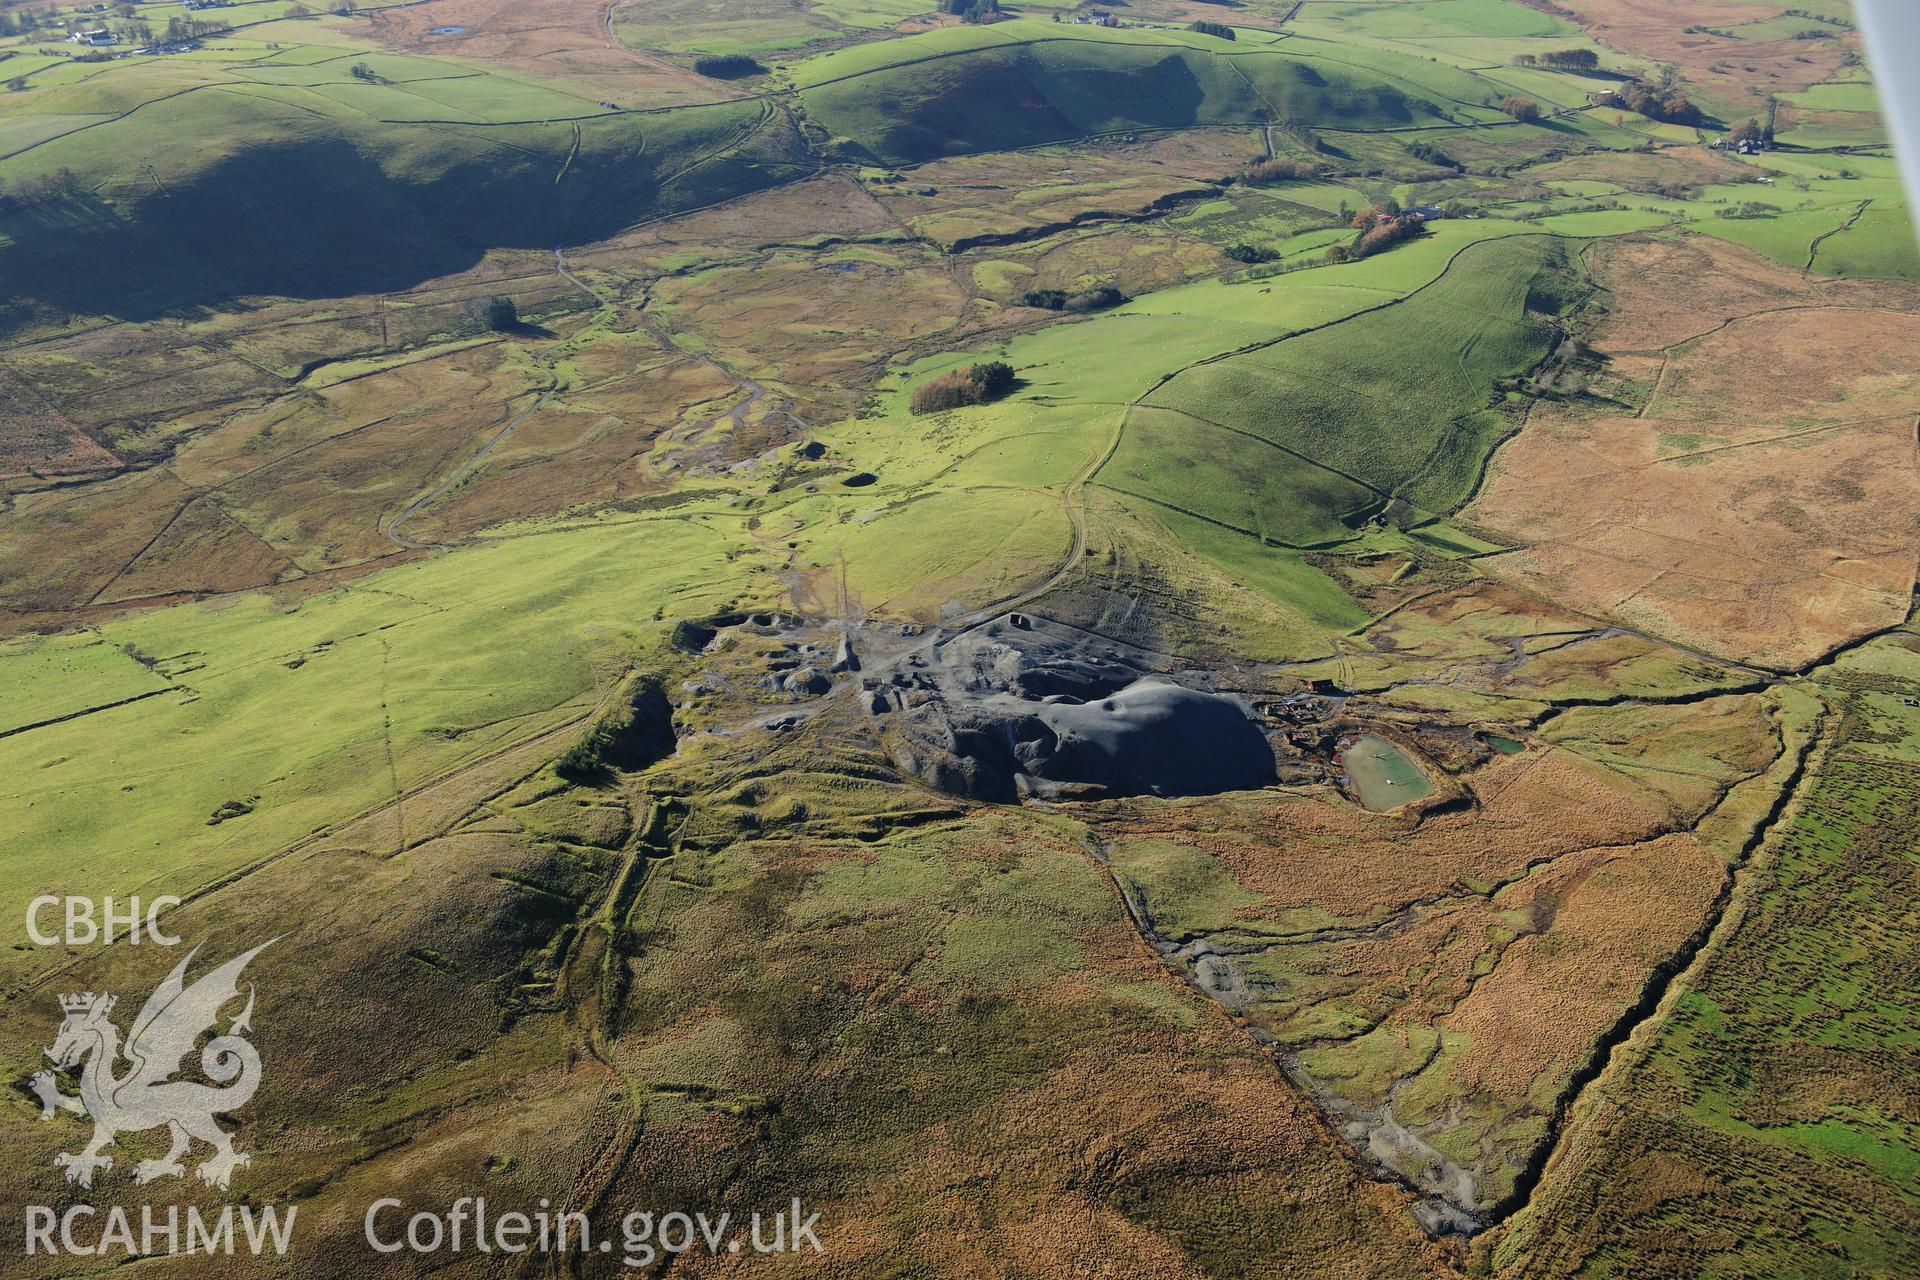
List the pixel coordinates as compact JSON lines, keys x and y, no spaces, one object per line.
{"x":1381,"y":774}
{"x":1505,"y":746}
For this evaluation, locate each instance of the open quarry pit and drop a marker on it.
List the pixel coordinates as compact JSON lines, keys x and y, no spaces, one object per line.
{"x":1021,"y":707}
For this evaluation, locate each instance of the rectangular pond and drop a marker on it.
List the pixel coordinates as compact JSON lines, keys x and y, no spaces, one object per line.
{"x":1381,"y":774}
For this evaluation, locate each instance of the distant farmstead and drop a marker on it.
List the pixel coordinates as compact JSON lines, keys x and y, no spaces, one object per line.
{"x":96,"y":37}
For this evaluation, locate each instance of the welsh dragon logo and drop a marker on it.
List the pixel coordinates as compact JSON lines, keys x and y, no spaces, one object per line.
{"x":145,"y":1095}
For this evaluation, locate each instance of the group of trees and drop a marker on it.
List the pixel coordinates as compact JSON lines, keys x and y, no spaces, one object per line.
{"x":30,"y":193}
{"x":1562,"y":59}
{"x":581,"y":762}
{"x":131,"y":29}
{"x":1380,"y":227}
{"x":1279,"y":169}
{"x":1251,"y":254}
{"x":728,"y":66}
{"x":972,"y":10}
{"x":15,"y":22}
{"x":1665,"y":102}
{"x":1520,"y":108}
{"x":1095,"y":299}
{"x":1430,"y":154}
{"x":976,"y":384}
{"x":1208,"y":28}
{"x":179,"y":31}
{"x":24,"y":22}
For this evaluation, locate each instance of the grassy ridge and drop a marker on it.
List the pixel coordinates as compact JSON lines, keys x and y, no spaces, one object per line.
{"x":1232,"y":479}
{"x":282,"y":190}
{"x":284,"y":174}
{"x":1021,"y":84}
{"x":1352,"y":399}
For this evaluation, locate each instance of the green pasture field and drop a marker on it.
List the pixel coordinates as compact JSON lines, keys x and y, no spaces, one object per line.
{"x":1235,"y":499}
{"x":1786,"y":237}
{"x":1118,"y":355}
{"x":893,"y":98}
{"x":1481,"y":36}
{"x":1786,"y":26}
{"x":1837,"y":97}
{"x":238,"y":13}
{"x":1114,"y":357}
{"x":53,"y":676}
{"x":299,"y":55}
{"x":1879,"y":243}
{"x":487,"y":99}
{"x":21,"y":133}
{"x":1234,"y":478}
{"x":25,"y":61}
{"x":863,"y":59}
{"x":885,"y":13}
{"x":1346,"y":398}
{"x":1461,"y":95}
{"x":1548,"y":87}
{"x":1010,"y":458}
{"x":1855,"y":133}
{"x":1452,"y":19}
{"x":314,"y":713}
{"x":1303,"y":605}
{"x":1813,"y":198}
